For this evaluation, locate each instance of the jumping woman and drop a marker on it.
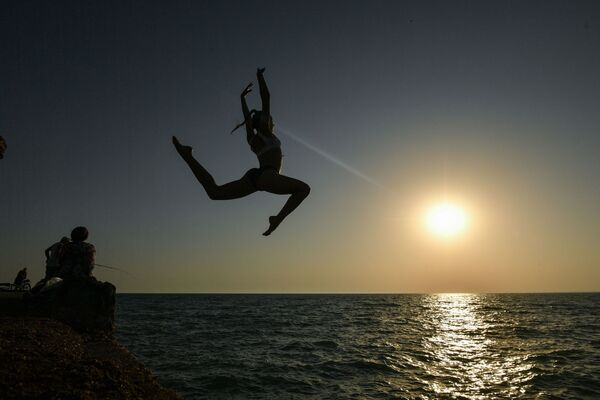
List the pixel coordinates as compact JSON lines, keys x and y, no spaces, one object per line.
{"x":267,"y":147}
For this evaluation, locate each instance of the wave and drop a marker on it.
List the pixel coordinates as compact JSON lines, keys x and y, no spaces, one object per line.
{"x":367,"y":346}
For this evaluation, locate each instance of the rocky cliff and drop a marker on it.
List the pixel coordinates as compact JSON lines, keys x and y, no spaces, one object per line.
{"x":59,"y":345}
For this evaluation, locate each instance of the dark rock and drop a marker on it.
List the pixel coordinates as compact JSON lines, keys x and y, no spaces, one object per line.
{"x":85,"y":304}
{"x":12,"y":304}
{"x":43,"y":359}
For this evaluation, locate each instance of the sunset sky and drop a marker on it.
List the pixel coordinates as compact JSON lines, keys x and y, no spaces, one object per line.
{"x":386,"y":108}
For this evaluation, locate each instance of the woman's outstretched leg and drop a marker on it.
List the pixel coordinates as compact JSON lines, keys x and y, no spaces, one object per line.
{"x":228,"y":191}
{"x":203,"y":176}
{"x":273,"y":182}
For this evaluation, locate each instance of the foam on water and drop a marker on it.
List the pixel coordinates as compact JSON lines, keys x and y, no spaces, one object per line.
{"x":524,"y":346}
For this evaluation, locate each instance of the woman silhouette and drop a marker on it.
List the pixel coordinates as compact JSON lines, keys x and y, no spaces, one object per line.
{"x":267,"y":147}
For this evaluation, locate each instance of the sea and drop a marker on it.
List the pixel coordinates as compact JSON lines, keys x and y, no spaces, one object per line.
{"x":367,"y":346}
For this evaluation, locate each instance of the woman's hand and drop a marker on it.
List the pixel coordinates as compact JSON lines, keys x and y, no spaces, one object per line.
{"x":247,"y":90}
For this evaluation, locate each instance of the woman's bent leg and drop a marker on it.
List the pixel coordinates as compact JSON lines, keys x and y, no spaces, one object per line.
{"x":273,"y":182}
{"x":232,"y":190}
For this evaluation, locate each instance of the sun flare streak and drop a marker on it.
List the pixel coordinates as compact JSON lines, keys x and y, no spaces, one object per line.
{"x":333,"y":159}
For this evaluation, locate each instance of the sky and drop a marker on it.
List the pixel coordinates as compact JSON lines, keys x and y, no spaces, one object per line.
{"x":385,"y":108}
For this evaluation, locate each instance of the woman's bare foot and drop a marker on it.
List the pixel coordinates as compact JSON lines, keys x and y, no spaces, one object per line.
{"x":274,"y":222}
{"x":184,"y":151}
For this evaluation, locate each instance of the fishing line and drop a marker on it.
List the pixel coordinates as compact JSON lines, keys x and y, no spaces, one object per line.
{"x":114,"y":269}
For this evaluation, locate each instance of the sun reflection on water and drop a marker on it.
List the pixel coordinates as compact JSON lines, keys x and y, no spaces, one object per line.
{"x":466,"y":360}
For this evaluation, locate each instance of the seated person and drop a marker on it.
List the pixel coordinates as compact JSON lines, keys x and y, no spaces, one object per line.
{"x":78,"y":256}
{"x":21,"y":276}
{"x":53,"y":254}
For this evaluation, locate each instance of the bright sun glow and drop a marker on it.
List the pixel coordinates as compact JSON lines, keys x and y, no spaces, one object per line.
{"x":446,"y":220}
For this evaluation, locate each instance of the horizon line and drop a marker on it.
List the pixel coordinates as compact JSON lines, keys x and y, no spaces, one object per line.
{"x":361,"y":293}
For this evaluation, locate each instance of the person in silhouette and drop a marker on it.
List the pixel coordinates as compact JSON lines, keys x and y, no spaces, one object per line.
{"x":2,"y":147}
{"x":77,"y":257}
{"x":53,"y":255}
{"x":267,"y":147}
{"x":20,"y":278}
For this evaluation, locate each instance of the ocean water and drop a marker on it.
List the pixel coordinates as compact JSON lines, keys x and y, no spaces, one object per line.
{"x":447,"y":346}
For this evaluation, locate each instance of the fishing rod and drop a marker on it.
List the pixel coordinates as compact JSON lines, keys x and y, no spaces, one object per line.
{"x":114,"y":269}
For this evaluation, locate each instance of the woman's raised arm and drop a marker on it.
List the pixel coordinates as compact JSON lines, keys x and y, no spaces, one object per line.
{"x":246,"y":112}
{"x":264,"y":91}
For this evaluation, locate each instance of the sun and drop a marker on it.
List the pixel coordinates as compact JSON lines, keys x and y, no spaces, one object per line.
{"x":446,"y":220}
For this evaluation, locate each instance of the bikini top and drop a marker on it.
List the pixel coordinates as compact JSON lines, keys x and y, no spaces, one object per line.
{"x":268,"y":143}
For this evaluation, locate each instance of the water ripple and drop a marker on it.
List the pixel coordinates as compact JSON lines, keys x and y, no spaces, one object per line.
{"x":539,"y":346}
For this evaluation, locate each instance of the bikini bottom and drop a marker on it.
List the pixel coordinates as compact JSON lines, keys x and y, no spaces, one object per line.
{"x":253,"y":174}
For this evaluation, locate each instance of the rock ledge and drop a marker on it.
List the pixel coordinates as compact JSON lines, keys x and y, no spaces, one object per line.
{"x":46,"y":359}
